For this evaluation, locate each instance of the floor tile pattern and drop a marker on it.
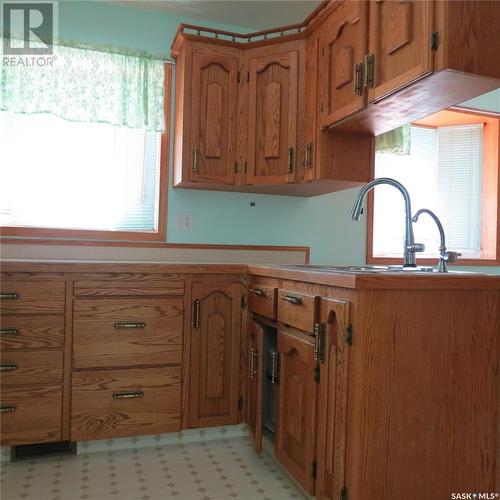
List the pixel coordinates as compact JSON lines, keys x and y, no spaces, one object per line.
{"x":221,"y":469}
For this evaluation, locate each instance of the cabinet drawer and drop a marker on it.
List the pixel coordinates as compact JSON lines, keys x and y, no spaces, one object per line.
{"x":127,"y":332}
{"x":31,"y":332}
{"x":36,"y":367}
{"x":297,"y":309}
{"x":26,"y":293}
{"x":112,"y":403}
{"x":31,"y":415}
{"x":262,"y":300}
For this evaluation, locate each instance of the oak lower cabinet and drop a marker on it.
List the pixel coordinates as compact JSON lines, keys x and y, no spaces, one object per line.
{"x":214,"y":346}
{"x":33,"y":343}
{"x":296,"y":432}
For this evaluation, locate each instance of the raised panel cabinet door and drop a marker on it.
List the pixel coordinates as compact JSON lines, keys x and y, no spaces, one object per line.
{"x":333,"y":357}
{"x":214,"y":90}
{"x":400,"y":43}
{"x":273,"y":118}
{"x":214,"y":358}
{"x":343,"y":47}
{"x":296,"y":433}
{"x":255,"y":374}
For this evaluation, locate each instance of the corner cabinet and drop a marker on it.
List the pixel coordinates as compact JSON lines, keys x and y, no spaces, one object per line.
{"x":214,"y":344}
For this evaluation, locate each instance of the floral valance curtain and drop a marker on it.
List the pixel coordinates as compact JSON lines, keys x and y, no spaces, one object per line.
{"x":395,"y":141}
{"x":88,"y":85}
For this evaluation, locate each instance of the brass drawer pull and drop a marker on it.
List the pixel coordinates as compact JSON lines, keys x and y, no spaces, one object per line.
{"x":291,"y":159}
{"x":358,"y":79}
{"x":253,"y":362}
{"x":120,"y":325}
{"x":196,"y":313}
{"x":293,"y":300}
{"x":128,"y":395}
{"x":9,"y":331}
{"x":195,"y":160}
{"x":308,"y":155}
{"x":8,"y":409}
{"x":274,"y":367}
{"x":8,"y":368}
{"x":258,"y":291}
{"x":9,"y":296}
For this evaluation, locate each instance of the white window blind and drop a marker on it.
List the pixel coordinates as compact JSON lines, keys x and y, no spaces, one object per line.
{"x":443,"y":172}
{"x":60,"y":174}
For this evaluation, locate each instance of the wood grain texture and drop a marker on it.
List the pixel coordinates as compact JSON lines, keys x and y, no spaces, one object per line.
{"x":296,"y":427}
{"x":272,"y":102}
{"x":32,"y":368}
{"x":263,"y":305}
{"x":214,"y":354}
{"x":96,"y":415}
{"x":301,"y":316}
{"x":33,"y":332}
{"x":255,"y":379}
{"x":37,"y":418}
{"x":97,"y":343}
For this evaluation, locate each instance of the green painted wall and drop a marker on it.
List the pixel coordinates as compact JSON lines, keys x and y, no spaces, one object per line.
{"x":321,"y":222}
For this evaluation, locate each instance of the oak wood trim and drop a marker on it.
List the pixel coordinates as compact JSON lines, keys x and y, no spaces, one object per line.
{"x":67,"y":354}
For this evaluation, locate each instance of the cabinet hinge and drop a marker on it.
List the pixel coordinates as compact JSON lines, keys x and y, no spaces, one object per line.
{"x":348,"y":334}
{"x":434,"y":40}
{"x":317,"y":374}
{"x":343,"y":493}
{"x":243,"y":302}
{"x":314,"y":469}
{"x":240,"y":404}
{"x":238,"y":76}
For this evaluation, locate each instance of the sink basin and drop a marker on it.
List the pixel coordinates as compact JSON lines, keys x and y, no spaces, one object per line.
{"x":360,"y":269}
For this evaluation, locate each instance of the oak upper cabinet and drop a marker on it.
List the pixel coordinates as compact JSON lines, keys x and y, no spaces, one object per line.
{"x":255,"y":374}
{"x":214,"y":353}
{"x":296,"y":432}
{"x":333,"y":357}
{"x":400,"y":45}
{"x":206,"y":114}
{"x":273,"y":113}
{"x":343,"y":47}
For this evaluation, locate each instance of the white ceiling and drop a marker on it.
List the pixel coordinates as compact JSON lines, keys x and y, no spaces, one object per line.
{"x":251,"y":14}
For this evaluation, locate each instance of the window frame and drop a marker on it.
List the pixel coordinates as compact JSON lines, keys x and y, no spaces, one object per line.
{"x":489,"y":198}
{"x":159,"y":235}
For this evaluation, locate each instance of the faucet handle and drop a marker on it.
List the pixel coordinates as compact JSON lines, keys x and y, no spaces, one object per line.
{"x":416,"y":247}
{"x":451,"y":257}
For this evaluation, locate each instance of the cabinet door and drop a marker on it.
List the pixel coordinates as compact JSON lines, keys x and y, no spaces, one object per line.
{"x":255,"y":374}
{"x":400,"y":43}
{"x":332,"y":399}
{"x":343,"y":47}
{"x":213,"y":117}
{"x":214,"y":356}
{"x":273,"y":118}
{"x":296,"y":431}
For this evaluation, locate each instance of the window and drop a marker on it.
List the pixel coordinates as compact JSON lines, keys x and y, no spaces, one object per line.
{"x":452,"y":168}
{"x":84,"y":147}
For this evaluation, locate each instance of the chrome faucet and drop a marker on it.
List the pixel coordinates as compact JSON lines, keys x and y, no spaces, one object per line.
{"x":410,"y":247}
{"x":444,"y":255}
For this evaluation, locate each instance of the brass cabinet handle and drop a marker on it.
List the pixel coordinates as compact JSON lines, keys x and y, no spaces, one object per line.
{"x":8,"y":368}
{"x":253,"y":362}
{"x":8,"y":409}
{"x":274,"y":367}
{"x":9,"y":296}
{"x":308,"y":155}
{"x":369,"y":70}
{"x":258,"y":291}
{"x":290,"y":160}
{"x":235,"y":167}
{"x":122,"y":325}
{"x":128,"y":394}
{"x":357,"y":79}
{"x":196,"y":313}
{"x":9,"y":331}
{"x":292,"y":299}
{"x":195,"y":160}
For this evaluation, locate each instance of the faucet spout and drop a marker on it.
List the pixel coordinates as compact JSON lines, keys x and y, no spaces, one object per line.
{"x":410,"y":247}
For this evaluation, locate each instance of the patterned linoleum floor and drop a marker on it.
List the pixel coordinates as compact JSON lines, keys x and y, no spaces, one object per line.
{"x":216,"y":470}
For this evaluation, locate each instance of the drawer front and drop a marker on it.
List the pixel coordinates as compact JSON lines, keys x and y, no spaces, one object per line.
{"x":31,"y":415}
{"x":127,"y":332}
{"x":28,"y":294}
{"x":31,"y":332}
{"x":262,"y":300}
{"x":134,"y":401}
{"x":297,"y":309}
{"x":128,"y":284}
{"x":36,"y":367}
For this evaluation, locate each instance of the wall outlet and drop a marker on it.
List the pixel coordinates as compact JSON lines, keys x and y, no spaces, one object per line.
{"x":184,"y":221}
